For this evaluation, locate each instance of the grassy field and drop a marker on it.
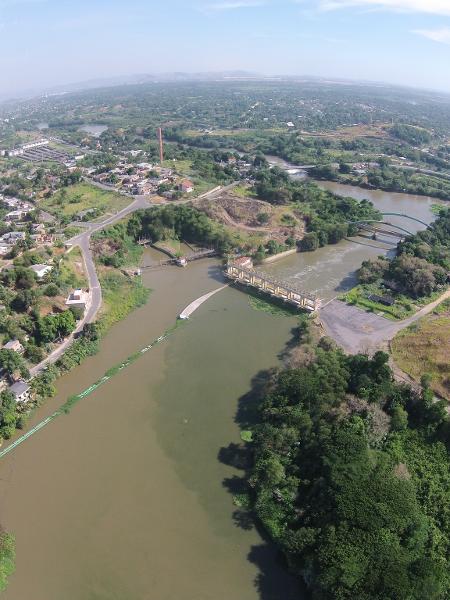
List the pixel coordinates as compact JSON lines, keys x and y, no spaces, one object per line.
{"x":357,"y":296}
{"x":424,"y":348}
{"x":73,"y":199}
{"x":72,"y":269}
{"x":121,"y":295}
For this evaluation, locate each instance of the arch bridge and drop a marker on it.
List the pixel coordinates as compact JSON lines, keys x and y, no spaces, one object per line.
{"x":373,"y":222}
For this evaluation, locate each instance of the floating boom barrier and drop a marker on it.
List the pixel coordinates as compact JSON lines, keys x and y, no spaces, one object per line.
{"x":72,"y":400}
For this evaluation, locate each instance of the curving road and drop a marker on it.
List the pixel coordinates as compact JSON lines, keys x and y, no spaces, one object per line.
{"x":82,"y":241}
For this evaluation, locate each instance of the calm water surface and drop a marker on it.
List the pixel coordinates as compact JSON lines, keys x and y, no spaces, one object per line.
{"x":332,"y":270}
{"x":94,"y":130}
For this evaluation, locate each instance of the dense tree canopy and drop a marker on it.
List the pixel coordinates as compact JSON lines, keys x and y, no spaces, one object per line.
{"x":341,"y":482}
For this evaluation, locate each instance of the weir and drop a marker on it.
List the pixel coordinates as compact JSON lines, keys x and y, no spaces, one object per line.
{"x":273,"y":287}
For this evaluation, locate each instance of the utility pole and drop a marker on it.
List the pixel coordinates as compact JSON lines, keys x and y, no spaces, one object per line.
{"x":161,"y":149}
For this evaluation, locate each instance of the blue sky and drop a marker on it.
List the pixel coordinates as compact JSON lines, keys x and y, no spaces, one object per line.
{"x":50,"y":42}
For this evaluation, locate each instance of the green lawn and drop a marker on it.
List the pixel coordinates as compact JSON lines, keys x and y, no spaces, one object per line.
{"x":82,"y":196}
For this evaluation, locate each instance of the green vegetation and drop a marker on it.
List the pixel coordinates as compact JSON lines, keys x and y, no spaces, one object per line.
{"x":121,"y":295}
{"x":362,"y":296}
{"x":272,"y":307}
{"x":328,"y":217}
{"x":400,"y":180}
{"x":423,"y":348}
{"x":75,"y":200}
{"x":351,"y":478}
{"x":416,"y":275}
{"x":115,"y":247}
{"x":7,"y":558}
{"x":181,"y":222}
{"x":410,"y":134}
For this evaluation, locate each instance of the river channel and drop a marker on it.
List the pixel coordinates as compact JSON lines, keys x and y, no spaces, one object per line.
{"x":127,"y":497}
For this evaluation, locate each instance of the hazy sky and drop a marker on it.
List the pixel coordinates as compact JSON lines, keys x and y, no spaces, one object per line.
{"x":51,"y":42}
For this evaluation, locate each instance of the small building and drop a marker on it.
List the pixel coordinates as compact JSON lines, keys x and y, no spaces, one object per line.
{"x":244,"y":261}
{"x":14,"y":236}
{"x":41,"y":270}
{"x":15,"y":346}
{"x":186,"y":186}
{"x":21,"y":391}
{"x":385,"y":300}
{"x":77,"y":298}
{"x":15,"y":215}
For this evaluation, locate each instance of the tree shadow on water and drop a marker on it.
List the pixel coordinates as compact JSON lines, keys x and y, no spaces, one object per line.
{"x":273,"y":582}
{"x":246,"y":414}
{"x":216,"y":272}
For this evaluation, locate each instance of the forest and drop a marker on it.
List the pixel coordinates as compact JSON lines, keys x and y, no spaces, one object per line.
{"x":182,"y":222}
{"x":351,"y":477}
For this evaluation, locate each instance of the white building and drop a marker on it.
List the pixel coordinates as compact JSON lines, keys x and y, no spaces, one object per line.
{"x":77,"y":298}
{"x":15,"y":346}
{"x":41,"y":270}
{"x":21,"y":391}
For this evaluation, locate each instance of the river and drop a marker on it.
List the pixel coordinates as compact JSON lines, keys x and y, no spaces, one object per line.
{"x":332,"y":270}
{"x":93,"y":129}
{"x":127,"y":497}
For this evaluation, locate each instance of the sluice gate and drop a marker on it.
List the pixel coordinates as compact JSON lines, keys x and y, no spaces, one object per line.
{"x":273,"y":287}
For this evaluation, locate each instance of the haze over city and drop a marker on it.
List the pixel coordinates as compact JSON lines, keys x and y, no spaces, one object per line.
{"x":47,"y":43}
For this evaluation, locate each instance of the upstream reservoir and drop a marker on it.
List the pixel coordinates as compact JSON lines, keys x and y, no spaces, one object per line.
{"x":128,"y":497}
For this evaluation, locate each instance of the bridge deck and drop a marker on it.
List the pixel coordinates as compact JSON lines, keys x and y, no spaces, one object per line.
{"x":274,"y":287}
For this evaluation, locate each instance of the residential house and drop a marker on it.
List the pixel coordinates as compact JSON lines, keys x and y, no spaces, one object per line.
{"x":41,"y":270}
{"x":21,"y":391}
{"x":186,"y":186}
{"x":15,"y":346}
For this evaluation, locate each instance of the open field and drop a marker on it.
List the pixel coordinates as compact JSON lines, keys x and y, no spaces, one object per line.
{"x":423,"y":347}
{"x":69,"y":201}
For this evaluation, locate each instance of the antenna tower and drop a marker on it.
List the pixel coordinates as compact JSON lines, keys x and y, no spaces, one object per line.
{"x":161,"y":148}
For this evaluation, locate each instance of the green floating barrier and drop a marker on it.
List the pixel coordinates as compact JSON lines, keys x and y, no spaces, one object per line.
{"x":72,"y":400}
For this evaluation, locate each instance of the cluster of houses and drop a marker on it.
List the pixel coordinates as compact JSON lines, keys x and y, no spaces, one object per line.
{"x":15,"y":220}
{"x":361,"y":168}
{"x":242,"y":166}
{"x":20,"y":389}
{"x":141,"y":179}
{"x":19,"y":209}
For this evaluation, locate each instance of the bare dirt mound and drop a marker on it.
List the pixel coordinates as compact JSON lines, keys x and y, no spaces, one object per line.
{"x":253,"y":216}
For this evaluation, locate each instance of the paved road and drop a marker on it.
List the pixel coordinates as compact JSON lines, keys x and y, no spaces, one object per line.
{"x":358,"y":331}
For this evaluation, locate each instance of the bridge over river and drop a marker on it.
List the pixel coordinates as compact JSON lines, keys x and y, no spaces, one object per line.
{"x":287,"y":292}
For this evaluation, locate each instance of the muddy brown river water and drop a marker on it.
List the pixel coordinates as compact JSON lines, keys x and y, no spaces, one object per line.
{"x":126,"y":498}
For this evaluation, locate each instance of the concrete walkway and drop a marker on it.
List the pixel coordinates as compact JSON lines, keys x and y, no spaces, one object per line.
{"x":187,"y":312}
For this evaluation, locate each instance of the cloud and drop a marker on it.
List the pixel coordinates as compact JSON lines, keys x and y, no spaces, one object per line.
{"x":436,"y":7}
{"x":437,"y":35}
{"x":233,"y":5}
